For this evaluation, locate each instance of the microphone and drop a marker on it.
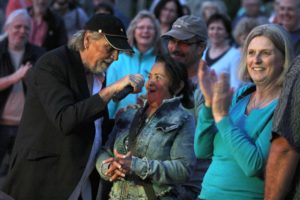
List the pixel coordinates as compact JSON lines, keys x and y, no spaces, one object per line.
{"x":123,"y":93}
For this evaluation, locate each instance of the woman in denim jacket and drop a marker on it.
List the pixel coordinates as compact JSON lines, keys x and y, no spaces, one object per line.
{"x":153,"y":145}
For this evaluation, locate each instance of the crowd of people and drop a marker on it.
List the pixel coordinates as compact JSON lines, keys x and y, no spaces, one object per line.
{"x":182,"y":102}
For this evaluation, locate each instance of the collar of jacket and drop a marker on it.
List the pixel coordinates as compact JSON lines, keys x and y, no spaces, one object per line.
{"x":166,"y":101}
{"x":138,"y":52}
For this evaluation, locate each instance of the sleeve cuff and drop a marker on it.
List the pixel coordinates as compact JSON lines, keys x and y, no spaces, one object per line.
{"x":207,"y":112}
{"x":104,"y":168}
{"x":140,"y":167}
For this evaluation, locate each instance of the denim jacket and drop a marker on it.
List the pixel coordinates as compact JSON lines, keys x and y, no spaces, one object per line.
{"x":164,"y":157}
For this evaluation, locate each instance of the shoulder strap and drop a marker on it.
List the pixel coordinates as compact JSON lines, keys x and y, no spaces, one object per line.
{"x":136,"y":125}
{"x":246,"y":92}
{"x":149,"y":190}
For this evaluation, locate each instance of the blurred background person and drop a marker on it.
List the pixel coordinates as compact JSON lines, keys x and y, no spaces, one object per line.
{"x":274,"y":18}
{"x":17,"y":56}
{"x":249,"y":8}
{"x":73,"y":15}
{"x":208,"y":8}
{"x":167,"y":11}
{"x":289,"y":17}
{"x":242,"y":29}
{"x":16,"y":4}
{"x":48,"y":28}
{"x":155,"y":2}
{"x":228,"y":128}
{"x":117,"y":12}
{"x":103,"y":8}
{"x":220,"y":54}
{"x":143,"y":35}
{"x":186,"y":10}
{"x":156,"y":140}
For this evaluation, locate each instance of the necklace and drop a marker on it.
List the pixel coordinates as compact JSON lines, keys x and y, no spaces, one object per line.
{"x":266,"y":97}
{"x":255,"y":104}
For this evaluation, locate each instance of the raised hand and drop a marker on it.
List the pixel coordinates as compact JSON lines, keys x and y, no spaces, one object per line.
{"x":22,"y":71}
{"x":18,"y":75}
{"x":222,"y":95}
{"x":207,"y":78}
{"x":135,"y":80}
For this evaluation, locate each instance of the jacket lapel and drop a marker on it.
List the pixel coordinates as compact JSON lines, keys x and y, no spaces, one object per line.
{"x":79,"y":73}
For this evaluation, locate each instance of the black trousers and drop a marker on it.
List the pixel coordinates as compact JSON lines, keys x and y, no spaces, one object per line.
{"x":7,"y":138}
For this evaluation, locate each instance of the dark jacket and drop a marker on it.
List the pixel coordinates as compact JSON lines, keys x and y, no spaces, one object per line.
{"x":31,"y":54}
{"x":56,"y":34}
{"x":56,"y":130}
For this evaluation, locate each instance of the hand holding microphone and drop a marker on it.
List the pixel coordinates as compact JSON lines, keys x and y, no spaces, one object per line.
{"x":136,"y":82}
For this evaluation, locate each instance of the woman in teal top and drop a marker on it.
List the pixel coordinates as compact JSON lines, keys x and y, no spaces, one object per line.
{"x":143,"y":35}
{"x":236,"y":131}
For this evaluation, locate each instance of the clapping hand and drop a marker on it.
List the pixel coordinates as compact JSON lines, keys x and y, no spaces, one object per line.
{"x":216,"y":91}
{"x":207,"y":78}
{"x":222,"y":95}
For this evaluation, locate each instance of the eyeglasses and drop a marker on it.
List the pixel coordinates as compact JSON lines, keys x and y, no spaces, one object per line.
{"x":156,"y":77}
{"x":148,"y":28}
{"x":182,"y":43}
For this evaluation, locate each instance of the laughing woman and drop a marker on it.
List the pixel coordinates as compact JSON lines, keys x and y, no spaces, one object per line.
{"x":150,"y":151}
{"x":143,"y":35}
{"x":238,"y":136}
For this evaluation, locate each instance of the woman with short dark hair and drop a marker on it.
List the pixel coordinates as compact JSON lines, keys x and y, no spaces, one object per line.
{"x":167,"y":11}
{"x":150,"y":151}
{"x":220,"y":54}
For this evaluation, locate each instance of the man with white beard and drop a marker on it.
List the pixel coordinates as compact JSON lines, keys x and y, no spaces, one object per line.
{"x":64,"y":116}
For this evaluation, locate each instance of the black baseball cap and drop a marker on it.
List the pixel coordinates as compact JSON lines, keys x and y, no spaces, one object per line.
{"x":112,"y":28}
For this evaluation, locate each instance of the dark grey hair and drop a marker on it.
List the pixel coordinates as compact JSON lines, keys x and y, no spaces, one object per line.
{"x":244,"y":26}
{"x":219,"y":5}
